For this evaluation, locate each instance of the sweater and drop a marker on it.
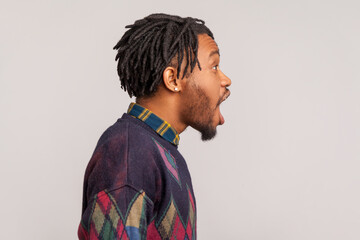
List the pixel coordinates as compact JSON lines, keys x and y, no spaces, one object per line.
{"x":137,"y":184}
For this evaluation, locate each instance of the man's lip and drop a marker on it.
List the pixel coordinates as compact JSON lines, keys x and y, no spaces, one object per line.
{"x":227,"y":94}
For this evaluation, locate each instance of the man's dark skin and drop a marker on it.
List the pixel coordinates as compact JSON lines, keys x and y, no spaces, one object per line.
{"x":194,"y":100}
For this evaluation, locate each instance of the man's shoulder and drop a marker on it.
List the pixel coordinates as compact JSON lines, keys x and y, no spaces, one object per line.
{"x":130,"y":131}
{"x":124,"y":153}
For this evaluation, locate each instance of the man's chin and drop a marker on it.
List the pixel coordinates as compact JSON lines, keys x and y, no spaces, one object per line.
{"x":208,"y":134}
{"x":207,"y":131}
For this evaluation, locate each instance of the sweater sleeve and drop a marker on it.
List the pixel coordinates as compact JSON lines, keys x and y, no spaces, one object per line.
{"x":123,"y":213}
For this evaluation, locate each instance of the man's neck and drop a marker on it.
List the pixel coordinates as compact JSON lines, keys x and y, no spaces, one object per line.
{"x":165,"y":108}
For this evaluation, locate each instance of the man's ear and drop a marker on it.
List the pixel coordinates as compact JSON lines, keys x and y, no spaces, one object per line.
{"x":171,"y":82}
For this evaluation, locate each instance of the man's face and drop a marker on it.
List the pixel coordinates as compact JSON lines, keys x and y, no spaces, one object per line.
{"x":205,"y":90}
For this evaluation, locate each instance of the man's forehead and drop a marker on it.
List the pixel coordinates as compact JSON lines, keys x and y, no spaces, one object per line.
{"x":214,"y":52}
{"x":207,"y":44}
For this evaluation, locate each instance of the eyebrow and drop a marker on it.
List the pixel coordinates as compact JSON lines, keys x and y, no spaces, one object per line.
{"x":214,"y":52}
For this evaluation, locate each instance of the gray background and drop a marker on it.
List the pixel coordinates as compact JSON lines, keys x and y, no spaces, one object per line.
{"x":284,"y":166}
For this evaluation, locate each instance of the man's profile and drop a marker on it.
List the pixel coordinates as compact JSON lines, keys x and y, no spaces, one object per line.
{"x":137,"y":184}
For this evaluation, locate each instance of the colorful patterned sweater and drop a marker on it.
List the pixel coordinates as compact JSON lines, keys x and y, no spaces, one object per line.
{"x":137,"y":184}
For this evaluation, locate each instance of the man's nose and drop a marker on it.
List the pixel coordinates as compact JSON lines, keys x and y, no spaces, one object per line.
{"x":225,"y":81}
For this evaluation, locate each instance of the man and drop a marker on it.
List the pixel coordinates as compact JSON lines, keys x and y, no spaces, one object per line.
{"x":137,"y":185}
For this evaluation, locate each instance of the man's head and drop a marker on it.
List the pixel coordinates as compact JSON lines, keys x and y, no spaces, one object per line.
{"x":153,"y":43}
{"x":175,"y":60}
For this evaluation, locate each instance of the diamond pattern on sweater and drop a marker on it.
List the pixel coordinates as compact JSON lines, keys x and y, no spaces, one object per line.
{"x":169,"y":161}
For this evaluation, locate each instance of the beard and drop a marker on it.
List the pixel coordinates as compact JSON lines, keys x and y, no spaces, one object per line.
{"x":200,"y":114}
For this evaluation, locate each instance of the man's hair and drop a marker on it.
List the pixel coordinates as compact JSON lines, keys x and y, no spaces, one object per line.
{"x":154,"y":43}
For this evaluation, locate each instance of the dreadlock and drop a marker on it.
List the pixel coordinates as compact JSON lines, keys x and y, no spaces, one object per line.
{"x":153,"y":43}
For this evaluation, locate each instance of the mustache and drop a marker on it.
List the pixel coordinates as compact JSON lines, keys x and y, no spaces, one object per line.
{"x":224,"y":97}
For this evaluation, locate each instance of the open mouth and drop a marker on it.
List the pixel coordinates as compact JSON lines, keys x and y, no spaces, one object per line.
{"x":226,"y":95}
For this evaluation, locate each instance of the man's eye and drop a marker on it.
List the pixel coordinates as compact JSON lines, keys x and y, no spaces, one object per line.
{"x":215,"y":67}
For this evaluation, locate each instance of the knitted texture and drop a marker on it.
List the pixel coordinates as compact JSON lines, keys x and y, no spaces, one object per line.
{"x":137,"y":186}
